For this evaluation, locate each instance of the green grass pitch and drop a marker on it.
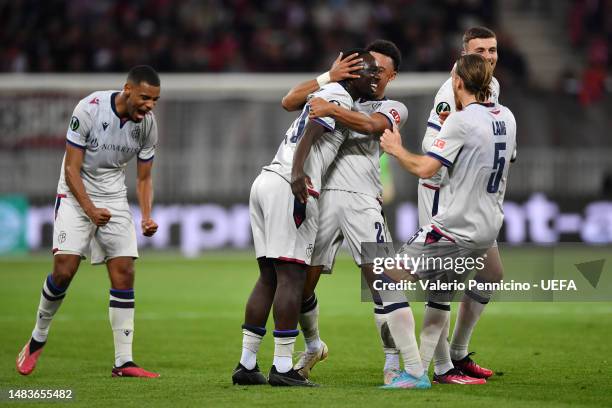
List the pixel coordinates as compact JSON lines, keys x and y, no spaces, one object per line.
{"x":188,"y":317}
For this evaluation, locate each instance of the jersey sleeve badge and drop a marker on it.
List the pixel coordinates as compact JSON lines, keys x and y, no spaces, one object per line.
{"x":396,"y":116}
{"x":439,"y":143}
{"x":442,"y":107}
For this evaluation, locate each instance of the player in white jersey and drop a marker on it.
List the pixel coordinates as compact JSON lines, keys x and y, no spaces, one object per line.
{"x":107,"y":130}
{"x":476,"y":145}
{"x":284,"y":228}
{"x":350,"y":203}
{"x":477,"y":40}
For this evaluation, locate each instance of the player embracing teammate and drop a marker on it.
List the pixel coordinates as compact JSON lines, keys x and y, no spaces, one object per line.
{"x":347,"y":187}
{"x":350,"y":206}
{"x":284,"y":219}
{"x":452,"y":365}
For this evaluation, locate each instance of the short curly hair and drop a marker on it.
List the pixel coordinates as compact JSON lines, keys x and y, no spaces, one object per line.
{"x":387,"y":48}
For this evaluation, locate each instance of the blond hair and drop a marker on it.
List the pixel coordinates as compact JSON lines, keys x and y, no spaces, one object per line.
{"x":476,"y":73}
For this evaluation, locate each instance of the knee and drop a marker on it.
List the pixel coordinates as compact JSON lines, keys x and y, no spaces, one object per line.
{"x":498,"y":274}
{"x":127,"y":272}
{"x":123,"y":277}
{"x":493,"y":270}
{"x":307,"y":293}
{"x":292,"y":286}
{"x":309,"y":289}
{"x":491,"y":273}
{"x":64,"y":269}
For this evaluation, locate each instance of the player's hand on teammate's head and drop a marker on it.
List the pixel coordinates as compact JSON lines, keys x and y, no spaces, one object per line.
{"x":149,"y":227}
{"x":344,"y":68}
{"x":320,"y":108}
{"x":299,"y":187}
{"x":442,"y":116}
{"x":99,"y":216}
{"x":391,"y":141}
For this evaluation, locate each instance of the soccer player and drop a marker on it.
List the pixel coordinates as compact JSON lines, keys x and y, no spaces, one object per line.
{"x":284,"y":218}
{"x":477,"y":40}
{"x":350,"y":203}
{"x":107,"y":129}
{"x":470,"y":198}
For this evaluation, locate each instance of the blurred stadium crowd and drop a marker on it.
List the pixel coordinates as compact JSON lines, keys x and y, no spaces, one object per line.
{"x":229,"y":36}
{"x":282,"y":36}
{"x":589,"y":27}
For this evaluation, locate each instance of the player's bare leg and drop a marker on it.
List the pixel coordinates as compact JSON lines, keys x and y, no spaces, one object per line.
{"x":121,"y":314}
{"x":54,"y":289}
{"x":316,"y":349}
{"x":260,"y":301}
{"x":290,"y":279}
{"x":470,"y":310}
{"x":256,"y":315}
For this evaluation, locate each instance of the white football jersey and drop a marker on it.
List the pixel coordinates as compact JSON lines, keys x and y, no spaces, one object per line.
{"x":109,"y":144}
{"x":357,"y":165}
{"x":445,"y":101}
{"x":325,"y":149}
{"x":476,"y":146}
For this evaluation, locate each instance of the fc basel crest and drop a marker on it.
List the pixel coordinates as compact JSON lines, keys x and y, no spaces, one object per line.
{"x":135,"y":133}
{"x":442,"y":107}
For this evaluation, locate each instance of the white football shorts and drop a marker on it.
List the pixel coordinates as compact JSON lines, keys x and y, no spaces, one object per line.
{"x":428,"y":199}
{"x":343,"y":215}
{"x":433,"y":254}
{"x":75,"y":234}
{"x":283,"y":228}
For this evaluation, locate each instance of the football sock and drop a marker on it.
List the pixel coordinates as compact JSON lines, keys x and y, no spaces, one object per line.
{"x":121,"y":315}
{"x":50,"y":300}
{"x":442,"y":358}
{"x":401,"y":325}
{"x":251,"y":340}
{"x":392,"y":361}
{"x":467,"y":317}
{"x":35,"y":345}
{"x":284,"y":340}
{"x":434,"y":320}
{"x":128,"y":364}
{"x":309,"y":322}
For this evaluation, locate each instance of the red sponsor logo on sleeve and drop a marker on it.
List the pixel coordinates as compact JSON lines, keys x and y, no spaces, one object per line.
{"x":396,"y":116}
{"x":95,"y":101}
{"x":439,"y":143}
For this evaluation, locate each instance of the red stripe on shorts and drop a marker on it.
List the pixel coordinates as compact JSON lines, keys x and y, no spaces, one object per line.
{"x":282,"y":258}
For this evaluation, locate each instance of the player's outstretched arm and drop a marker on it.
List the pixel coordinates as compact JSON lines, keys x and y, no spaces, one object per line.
{"x":421,"y":166}
{"x":340,"y":69}
{"x":72,"y":172}
{"x":144,"y":191}
{"x":300,"y":182}
{"x":373,"y":124}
